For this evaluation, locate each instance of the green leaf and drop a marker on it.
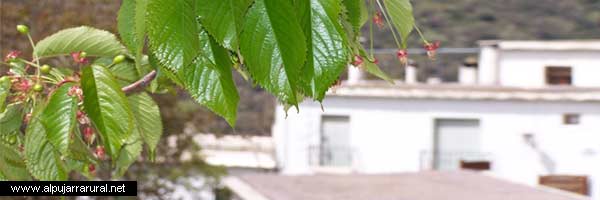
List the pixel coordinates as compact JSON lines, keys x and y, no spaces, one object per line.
{"x":11,"y":119}
{"x":129,"y":153}
{"x":124,"y":71}
{"x":223,"y":19}
{"x":327,"y":52}
{"x":4,"y":92}
{"x":209,"y":80}
{"x":43,"y":161}
{"x":12,"y":165}
{"x":132,"y":27}
{"x":274,"y":47}
{"x":357,"y":13}
{"x":59,"y":118}
{"x":147,"y":119}
{"x":173,"y":32}
{"x":79,"y":151}
{"x":131,"y":24}
{"x":94,"y":42}
{"x":373,"y":69}
{"x":401,"y":15}
{"x":107,"y":107}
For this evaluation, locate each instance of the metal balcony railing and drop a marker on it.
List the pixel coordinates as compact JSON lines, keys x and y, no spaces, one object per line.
{"x":331,"y":156}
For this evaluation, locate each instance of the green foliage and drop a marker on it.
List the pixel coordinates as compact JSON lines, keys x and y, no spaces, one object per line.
{"x":400,"y":13}
{"x":59,"y":118}
{"x":11,"y":119}
{"x":107,"y":107}
{"x":4,"y":91}
{"x":12,"y":165}
{"x":94,"y":42}
{"x":173,"y":33}
{"x":223,"y":19}
{"x":293,"y":49}
{"x":148,"y":122}
{"x":209,"y":79}
{"x":327,"y":53}
{"x":43,"y":161}
{"x":274,"y":48}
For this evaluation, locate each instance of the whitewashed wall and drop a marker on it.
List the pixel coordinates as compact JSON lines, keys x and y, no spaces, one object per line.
{"x":522,"y":68}
{"x":390,"y":134}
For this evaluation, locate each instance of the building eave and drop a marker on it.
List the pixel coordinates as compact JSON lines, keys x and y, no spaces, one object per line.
{"x":467,"y":92}
{"x":552,"y":45}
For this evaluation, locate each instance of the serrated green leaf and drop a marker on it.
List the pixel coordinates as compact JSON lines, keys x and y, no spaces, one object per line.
{"x":401,"y":15}
{"x":327,"y":52}
{"x":147,"y":119}
{"x":129,"y":153}
{"x":173,"y":32}
{"x":94,"y":42}
{"x":42,"y":160}
{"x":132,"y":27}
{"x":357,"y":13}
{"x":107,"y":107}
{"x":131,"y":24}
{"x":223,"y":19}
{"x":209,"y":80}
{"x":12,"y":165}
{"x":274,"y":48}
{"x":59,"y":118}
{"x":11,"y":119}
{"x":4,"y":91}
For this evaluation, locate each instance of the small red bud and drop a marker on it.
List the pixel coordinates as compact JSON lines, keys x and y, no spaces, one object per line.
{"x":100,"y":153}
{"x":80,"y":57}
{"x":88,"y":134}
{"x":12,"y":56}
{"x":378,"y":19}
{"x":92,"y":169}
{"x":431,"y":49}
{"x":358,"y":60}
{"x":402,"y":55}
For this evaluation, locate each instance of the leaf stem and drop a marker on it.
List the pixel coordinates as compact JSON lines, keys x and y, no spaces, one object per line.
{"x":140,"y":84}
{"x":421,"y":34}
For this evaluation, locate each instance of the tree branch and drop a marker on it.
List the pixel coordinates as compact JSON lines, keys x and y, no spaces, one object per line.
{"x":141,"y":84}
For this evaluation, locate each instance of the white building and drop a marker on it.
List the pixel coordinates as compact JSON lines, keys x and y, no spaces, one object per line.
{"x":530,"y":108}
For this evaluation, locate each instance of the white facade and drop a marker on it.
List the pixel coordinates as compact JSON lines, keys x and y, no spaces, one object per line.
{"x":511,"y":117}
{"x":523,"y":63}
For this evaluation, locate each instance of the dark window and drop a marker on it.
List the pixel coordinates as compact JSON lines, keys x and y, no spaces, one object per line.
{"x":558,"y":76}
{"x":571,"y":119}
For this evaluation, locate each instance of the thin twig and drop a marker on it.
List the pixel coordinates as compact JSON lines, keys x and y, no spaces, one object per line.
{"x":140,"y":84}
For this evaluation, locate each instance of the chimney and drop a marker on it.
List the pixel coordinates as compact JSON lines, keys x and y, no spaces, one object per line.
{"x":467,"y":73}
{"x":410,"y":73}
{"x":355,"y":74}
